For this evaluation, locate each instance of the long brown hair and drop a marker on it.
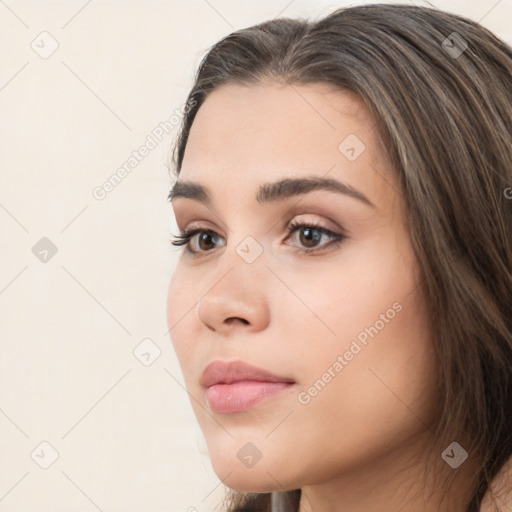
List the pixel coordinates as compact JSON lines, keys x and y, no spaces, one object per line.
{"x":440,"y":88}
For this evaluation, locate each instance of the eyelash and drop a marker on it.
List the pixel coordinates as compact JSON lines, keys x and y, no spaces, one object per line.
{"x":184,"y":237}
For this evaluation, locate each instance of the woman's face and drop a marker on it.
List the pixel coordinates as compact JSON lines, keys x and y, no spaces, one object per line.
{"x":339,"y":334}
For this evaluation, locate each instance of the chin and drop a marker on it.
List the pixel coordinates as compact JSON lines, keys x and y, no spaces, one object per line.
{"x":247,"y":469}
{"x":250,"y":481}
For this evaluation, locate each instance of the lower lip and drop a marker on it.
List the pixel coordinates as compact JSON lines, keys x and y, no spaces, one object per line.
{"x":242,"y":395}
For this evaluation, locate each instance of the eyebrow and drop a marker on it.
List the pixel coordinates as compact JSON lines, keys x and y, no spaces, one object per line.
{"x":272,"y":192}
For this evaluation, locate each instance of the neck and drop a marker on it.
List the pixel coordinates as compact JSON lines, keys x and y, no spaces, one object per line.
{"x":397,"y":481}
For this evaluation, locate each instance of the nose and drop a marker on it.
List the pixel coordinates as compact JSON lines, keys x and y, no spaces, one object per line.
{"x":236,"y":300}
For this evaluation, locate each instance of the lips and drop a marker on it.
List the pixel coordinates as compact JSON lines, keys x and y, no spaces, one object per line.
{"x":237,"y":386}
{"x":221,"y":372}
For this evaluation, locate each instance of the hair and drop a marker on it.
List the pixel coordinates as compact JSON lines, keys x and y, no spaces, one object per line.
{"x":446,"y":121}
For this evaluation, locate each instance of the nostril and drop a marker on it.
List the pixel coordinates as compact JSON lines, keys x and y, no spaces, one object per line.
{"x":232,"y":319}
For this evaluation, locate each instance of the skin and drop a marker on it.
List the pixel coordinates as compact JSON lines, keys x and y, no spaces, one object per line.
{"x":363,"y":440}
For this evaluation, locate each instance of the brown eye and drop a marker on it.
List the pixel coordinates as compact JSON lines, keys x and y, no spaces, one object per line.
{"x":310,"y":235}
{"x":206,"y":239}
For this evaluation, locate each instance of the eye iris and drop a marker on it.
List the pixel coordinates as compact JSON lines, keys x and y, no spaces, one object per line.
{"x":205,"y":236}
{"x":310,"y":235}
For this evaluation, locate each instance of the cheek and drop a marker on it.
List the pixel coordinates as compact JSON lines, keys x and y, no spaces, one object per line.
{"x":366,"y":362}
{"x":385,"y":393}
{"x":378,"y":325}
{"x":373,"y":332}
{"x":340,"y":298}
{"x":181,"y":311}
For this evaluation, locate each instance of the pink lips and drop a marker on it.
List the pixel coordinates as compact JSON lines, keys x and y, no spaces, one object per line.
{"x":236,"y":386}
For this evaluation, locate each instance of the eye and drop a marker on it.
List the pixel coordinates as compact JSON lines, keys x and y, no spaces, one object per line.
{"x":309,"y":235}
{"x":185,"y":238}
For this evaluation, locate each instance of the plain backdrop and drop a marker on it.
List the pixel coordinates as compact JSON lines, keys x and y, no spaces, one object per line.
{"x":93,"y":413}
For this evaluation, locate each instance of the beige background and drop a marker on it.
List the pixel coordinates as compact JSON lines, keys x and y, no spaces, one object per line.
{"x":122,"y":426}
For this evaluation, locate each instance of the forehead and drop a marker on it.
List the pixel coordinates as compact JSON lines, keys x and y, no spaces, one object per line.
{"x":277,"y":114}
{"x":247,"y":134}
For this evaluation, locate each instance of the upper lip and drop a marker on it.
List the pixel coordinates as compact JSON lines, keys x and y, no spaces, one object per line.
{"x":227,"y":372}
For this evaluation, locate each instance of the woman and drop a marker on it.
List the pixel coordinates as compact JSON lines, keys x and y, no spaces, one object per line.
{"x":342,"y":306}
